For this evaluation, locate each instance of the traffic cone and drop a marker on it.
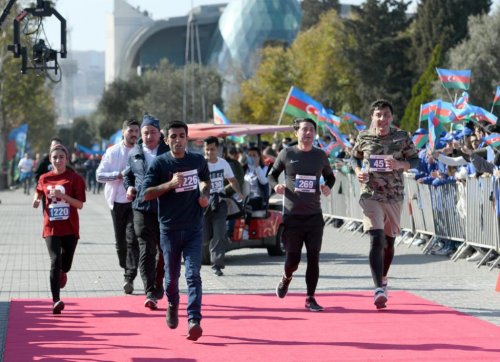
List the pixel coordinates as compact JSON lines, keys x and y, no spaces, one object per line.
{"x":498,"y":283}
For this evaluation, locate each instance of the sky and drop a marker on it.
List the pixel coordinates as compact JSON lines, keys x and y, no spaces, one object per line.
{"x":86,"y":19}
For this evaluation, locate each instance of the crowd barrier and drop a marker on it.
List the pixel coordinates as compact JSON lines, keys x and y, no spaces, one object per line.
{"x":465,"y":212}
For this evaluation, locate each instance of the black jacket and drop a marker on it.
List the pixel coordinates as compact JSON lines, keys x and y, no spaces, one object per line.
{"x":134,"y":176}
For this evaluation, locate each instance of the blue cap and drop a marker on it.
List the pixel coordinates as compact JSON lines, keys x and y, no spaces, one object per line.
{"x":447,"y":138}
{"x":420,"y":131}
{"x":150,"y":121}
{"x":466,"y":132}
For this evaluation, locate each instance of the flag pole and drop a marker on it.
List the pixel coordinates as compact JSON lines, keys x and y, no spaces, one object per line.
{"x":420,"y":116}
{"x":284,"y":105}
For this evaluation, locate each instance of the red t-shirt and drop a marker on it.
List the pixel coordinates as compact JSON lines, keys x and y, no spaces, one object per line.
{"x":60,"y":218}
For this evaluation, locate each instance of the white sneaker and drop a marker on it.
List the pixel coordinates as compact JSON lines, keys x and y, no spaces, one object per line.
{"x":379,"y":298}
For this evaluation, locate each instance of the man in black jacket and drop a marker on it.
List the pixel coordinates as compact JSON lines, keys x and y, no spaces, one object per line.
{"x":146,"y":224}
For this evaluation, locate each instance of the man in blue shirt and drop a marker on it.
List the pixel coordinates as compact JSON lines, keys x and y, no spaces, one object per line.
{"x":181,"y":182}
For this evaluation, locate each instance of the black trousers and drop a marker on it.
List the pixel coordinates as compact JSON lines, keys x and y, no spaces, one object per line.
{"x":126,"y":243}
{"x":151,"y":263}
{"x":61,"y":251}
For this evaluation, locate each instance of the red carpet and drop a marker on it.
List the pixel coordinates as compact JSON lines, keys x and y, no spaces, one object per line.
{"x":250,"y":328}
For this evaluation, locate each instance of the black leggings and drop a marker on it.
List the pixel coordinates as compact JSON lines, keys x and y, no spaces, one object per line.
{"x":61,"y":251}
{"x":312,"y":271}
{"x":381,"y":255}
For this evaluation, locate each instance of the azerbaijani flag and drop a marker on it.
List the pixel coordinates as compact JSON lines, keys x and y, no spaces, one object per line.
{"x":454,"y":79}
{"x":329,"y":117}
{"x":496,"y":100}
{"x":300,"y":104}
{"x":477,"y":114}
{"x":462,"y":101}
{"x":16,"y":141}
{"x":444,"y":111}
{"x":333,"y":147}
{"x":339,"y":137}
{"x":493,"y":140}
{"x":358,"y":122}
{"x":420,"y":140}
{"x":434,"y":130}
{"x":219,"y":117}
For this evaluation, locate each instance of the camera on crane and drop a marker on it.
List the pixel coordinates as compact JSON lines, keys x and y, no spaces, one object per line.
{"x":43,"y":54}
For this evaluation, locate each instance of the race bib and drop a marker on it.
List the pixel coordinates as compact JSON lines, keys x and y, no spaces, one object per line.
{"x":217,"y":184}
{"x":59,"y":211}
{"x":304,"y":183}
{"x":190,"y":181}
{"x":378,"y":163}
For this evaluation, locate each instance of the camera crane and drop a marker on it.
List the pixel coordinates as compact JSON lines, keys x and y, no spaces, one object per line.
{"x":42,"y":54}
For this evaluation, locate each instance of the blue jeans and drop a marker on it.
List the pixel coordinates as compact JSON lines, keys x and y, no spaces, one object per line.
{"x":187,"y":244}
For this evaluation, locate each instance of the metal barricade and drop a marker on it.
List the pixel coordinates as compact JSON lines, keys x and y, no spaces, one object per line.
{"x":448,"y":222}
{"x":482,"y":221}
{"x":421,"y":206}
{"x":339,"y":197}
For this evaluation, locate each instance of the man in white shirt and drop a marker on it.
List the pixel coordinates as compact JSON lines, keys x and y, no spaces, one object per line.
{"x":111,"y":171}
{"x":26,"y":172}
{"x":214,"y":225}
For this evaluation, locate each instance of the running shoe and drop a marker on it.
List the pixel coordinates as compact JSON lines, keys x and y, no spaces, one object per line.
{"x":282,"y":287}
{"x":63,"y":279}
{"x":380,"y":298}
{"x":151,"y":303}
{"x":312,"y":305}
{"x":217,"y":272}
{"x":194,"y":330}
{"x":128,"y":287}
{"x":58,"y":307}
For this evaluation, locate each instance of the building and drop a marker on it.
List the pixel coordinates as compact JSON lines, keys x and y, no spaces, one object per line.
{"x":226,"y":36}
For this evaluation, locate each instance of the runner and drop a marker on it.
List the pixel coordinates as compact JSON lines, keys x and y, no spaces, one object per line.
{"x":379,"y":157}
{"x":302,"y":216}
{"x":64,"y":193}
{"x":175,"y":178}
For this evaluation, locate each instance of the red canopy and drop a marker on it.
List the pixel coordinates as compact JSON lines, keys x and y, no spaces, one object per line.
{"x":202,"y":130}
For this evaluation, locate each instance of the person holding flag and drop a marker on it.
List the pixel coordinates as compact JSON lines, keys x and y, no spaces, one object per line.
{"x":379,"y":157}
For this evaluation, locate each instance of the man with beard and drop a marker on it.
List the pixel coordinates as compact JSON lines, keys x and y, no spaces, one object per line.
{"x":111,"y":171}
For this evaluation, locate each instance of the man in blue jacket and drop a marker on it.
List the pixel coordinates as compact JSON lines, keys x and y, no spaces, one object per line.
{"x":146,"y":226}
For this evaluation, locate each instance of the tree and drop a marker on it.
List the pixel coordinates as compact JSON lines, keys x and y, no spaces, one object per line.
{"x":378,"y":51}
{"x":314,"y":63}
{"x":313,"y":9}
{"x":23,"y":98}
{"x":441,"y":22}
{"x":117,"y":104}
{"x":480,"y":53}
{"x":421,"y":93}
{"x":166,"y":94}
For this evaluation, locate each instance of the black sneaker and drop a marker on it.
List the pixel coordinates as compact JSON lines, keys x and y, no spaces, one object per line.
{"x":217,"y":272}
{"x":63,"y":279}
{"x":385,"y":286}
{"x":128,"y":287}
{"x":58,"y":307}
{"x":282,"y":287}
{"x":312,"y":305}
{"x":380,"y":298}
{"x":172,"y":317}
{"x":194,"y":330}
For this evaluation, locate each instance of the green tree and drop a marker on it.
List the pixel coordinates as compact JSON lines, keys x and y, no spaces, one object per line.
{"x":441,"y":22}
{"x":23,"y":98}
{"x":313,"y":9}
{"x":118,"y":103}
{"x":480,"y":52}
{"x":166,"y":93}
{"x":314,"y":63}
{"x":421,"y":93}
{"x":378,"y":52}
